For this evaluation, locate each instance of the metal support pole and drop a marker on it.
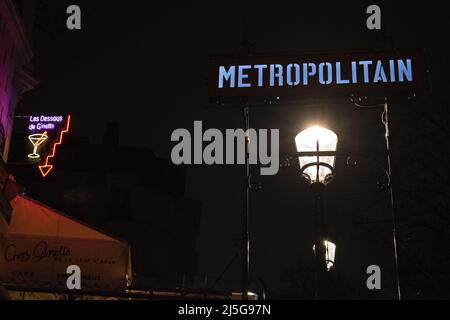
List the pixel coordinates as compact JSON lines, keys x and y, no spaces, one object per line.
{"x":392,"y":199}
{"x":319,"y":247}
{"x":246,"y":210}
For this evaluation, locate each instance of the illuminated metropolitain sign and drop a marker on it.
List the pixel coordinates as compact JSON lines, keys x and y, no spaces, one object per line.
{"x":317,"y":76}
{"x":325,"y":73}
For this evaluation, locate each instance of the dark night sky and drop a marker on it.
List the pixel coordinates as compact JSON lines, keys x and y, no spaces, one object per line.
{"x":145,"y":66}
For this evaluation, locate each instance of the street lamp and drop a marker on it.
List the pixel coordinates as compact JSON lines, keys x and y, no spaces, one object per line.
{"x":330,"y":253}
{"x":316,"y":149}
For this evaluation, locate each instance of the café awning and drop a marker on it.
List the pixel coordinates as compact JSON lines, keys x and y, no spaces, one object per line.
{"x":40,"y":244}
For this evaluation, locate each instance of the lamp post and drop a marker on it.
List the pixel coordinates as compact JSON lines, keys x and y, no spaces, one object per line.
{"x":316,"y":149}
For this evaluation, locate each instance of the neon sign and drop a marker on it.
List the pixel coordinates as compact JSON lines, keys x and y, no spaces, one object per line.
{"x":39,"y":123}
{"x":46,"y":168}
{"x":37,"y":140}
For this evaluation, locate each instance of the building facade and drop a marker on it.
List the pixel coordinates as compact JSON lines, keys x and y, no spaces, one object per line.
{"x":15,"y":58}
{"x":128,"y":192}
{"x":15,"y":79}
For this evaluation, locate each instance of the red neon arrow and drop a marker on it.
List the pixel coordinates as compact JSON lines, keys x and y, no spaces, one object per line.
{"x":47,"y":168}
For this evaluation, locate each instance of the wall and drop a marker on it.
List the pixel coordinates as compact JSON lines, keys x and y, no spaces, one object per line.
{"x":15,"y":78}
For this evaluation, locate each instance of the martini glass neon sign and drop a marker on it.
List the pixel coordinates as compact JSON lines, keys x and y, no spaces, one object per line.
{"x":45,"y":128}
{"x":37,"y":140}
